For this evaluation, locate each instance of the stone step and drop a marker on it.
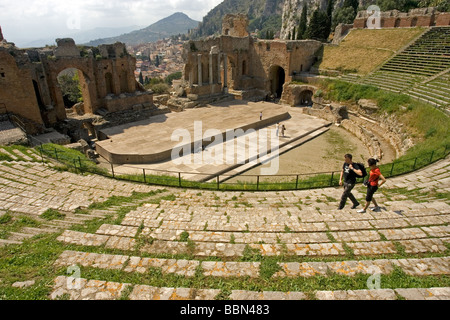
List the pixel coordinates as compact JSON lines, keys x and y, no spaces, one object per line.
{"x":414,"y":267}
{"x":84,"y":289}
{"x":18,"y":236}
{"x":436,"y":97}
{"x":230,"y":250}
{"x":36,"y":231}
{"x":4,"y":242}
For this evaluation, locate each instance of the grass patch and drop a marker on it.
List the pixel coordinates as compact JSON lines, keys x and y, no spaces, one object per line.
{"x":52,"y":214}
{"x":184,"y":236}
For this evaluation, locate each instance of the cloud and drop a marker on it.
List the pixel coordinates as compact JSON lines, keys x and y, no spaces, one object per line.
{"x":26,"y":20}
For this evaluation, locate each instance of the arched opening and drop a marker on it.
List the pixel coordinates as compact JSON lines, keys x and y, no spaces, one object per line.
{"x":305,"y":98}
{"x":397,"y":22}
{"x":414,"y":22}
{"x":277,"y":79}
{"x":70,"y":85}
{"x":109,"y":83}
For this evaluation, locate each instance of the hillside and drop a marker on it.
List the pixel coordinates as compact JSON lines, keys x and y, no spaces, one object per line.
{"x":363,"y":50}
{"x":263,"y":15}
{"x":178,"y":23}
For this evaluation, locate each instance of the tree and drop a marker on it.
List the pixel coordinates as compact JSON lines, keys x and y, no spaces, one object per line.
{"x":173,"y":76}
{"x":70,"y":88}
{"x":343,"y":15}
{"x":351,"y":3}
{"x":141,"y":78}
{"x":318,"y":26}
{"x":303,"y":23}
{"x":441,"y":5}
{"x":401,"y":5}
{"x":330,"y":8}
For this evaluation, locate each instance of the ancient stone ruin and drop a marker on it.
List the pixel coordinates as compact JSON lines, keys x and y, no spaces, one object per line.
{"x":422,"y":17}
{"x":30,"y":89}
{"x":236,"y":63}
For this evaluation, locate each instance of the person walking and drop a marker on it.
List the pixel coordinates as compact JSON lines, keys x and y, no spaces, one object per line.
{"x":260,"y":115}
{"x":278,"y":128}
{"x":348,"y":177}
{"x":373,"y":184}
{"x":282,"y":130}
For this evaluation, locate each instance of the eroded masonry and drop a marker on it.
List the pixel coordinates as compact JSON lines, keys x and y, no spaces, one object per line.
{"x":29,"y":86}
{"x":234,"y":65}
{"x":238,"y":64}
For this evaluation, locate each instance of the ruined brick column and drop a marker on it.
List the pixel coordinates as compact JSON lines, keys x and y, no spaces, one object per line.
{"x":218,"y":68}
{"x":211,"y":76}
{"x":191,"y":77}
{"x":1,"y":34}
{"x":200,"y":80}
{"x":225,"y":70}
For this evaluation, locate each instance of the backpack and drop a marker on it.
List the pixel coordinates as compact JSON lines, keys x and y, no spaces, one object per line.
{"x":363,"y":170}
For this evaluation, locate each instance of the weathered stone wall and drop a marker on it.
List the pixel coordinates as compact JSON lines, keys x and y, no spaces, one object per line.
{"x":235,"y":25}
{"x":30,"y":87}
{"x":422,"y":17}
{"x":340,"y":32}
{"x":443,"y":19}
{"x":123,"y":102}
{"x":245,"y":63}
{"x":16,"y":88}
{"x":293,"y":93}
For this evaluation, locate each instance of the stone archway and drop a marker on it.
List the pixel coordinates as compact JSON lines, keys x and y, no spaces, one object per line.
{"x":305,"y":98}
{"x":297,"y":95}
{"x":277,"y":77}
{"x":85,"y":84}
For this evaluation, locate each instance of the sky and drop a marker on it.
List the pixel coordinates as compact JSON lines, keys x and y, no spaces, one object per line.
{"x":26,"y":20}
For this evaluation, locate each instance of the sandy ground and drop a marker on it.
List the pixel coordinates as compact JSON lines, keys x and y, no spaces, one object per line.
{"x":323,"y":154}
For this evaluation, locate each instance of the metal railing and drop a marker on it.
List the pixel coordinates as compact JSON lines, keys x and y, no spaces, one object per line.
{"x":241,"y":182}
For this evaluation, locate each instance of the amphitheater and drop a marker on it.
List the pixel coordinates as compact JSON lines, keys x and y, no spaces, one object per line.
{"x":81,"y":236}
{"x":188,"y":244}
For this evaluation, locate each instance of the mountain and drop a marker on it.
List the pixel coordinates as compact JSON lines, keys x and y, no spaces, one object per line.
{"x":81,"y":36}
{"x":178,"y":23}
{"x":263,"y":15}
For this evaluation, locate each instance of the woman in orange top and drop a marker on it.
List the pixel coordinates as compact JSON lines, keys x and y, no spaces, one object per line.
{"x":373,"y":185}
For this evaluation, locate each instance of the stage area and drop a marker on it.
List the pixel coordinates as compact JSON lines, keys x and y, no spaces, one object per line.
{"x":147,"y":144}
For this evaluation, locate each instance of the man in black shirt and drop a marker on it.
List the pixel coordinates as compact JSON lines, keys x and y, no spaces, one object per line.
{"x":348,"y":179}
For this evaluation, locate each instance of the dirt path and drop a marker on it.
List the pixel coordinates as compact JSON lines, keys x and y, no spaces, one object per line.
{"x":323,"y":154}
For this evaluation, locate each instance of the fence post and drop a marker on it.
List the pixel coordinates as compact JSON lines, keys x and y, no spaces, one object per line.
{"x":56,"y":154}
{"x":40,"y":150}
{"x":415,"y":161}
{"x":257,"y":183}
{"x":218,"y":182}
{"x":331,"y":181}
{"x":392,"y":169}
{"x":143,"y":171}
{"x":75,"y":164}
{"x":112,"y":170}
{"x":296,"y":183}
{"x":179,"y":179}
{"x":79,"y":161}
{"x":432,"y":154}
